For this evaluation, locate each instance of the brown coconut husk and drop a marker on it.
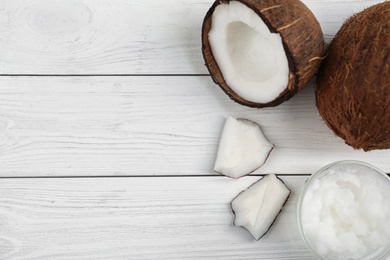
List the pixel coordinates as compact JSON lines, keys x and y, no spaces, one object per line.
{"x":302,"y":40}
{"x":353,"y":85}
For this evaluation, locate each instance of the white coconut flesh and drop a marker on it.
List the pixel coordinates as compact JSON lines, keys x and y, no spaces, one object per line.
{"x":242,"y":148}
{"x":257,"y":207}
{"x":252,"y":60}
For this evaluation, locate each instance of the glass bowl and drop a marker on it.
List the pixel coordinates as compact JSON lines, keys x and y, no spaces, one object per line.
{"x":324,"y":202}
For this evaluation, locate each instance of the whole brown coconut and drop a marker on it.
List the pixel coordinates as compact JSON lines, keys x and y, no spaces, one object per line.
{"x":301,"y":40}
{"x":353,"y":86}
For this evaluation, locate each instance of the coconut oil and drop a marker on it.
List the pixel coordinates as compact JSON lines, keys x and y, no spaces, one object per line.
{"x":344,"y":212}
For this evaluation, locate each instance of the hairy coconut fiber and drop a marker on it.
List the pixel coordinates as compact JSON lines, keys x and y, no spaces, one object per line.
{"x":353,"y":86}
{"x":302,"y":40}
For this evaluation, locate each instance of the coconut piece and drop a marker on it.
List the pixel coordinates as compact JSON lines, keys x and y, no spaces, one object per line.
{"x":243,"y":148}
{"x":353,"y":85}
{"x":257,"y":207}
{"x":261,"y":53}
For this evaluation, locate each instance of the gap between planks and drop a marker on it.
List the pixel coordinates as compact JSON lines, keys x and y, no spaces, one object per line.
{"x":104,"y":75}
{"x":145,"y":176}
{"x":149,"y":176}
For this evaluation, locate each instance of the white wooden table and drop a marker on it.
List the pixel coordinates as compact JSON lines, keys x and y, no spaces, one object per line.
{"x":109,"y":127}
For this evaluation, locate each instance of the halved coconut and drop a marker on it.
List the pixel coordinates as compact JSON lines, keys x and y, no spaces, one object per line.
{"x":243,"y":148}
{"x":261,"y":53}
{"x":257,"y":207}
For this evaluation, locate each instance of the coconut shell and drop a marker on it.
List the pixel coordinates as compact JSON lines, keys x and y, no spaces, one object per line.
{"x":302,"y":38}
{"x":353,"y":85}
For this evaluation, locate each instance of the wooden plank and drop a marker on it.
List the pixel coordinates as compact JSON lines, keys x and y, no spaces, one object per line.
{"x":120,"y":36}
{"x":137,"y":218}
{"x":79,"y":126}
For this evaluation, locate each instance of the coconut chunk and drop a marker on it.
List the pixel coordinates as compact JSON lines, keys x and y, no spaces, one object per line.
{"x":251,"y":58}
{"x":257,"y":207}
{"x":243,"y":148}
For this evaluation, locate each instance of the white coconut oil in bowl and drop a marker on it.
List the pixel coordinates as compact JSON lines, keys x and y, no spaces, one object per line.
{"x":344,"y":212}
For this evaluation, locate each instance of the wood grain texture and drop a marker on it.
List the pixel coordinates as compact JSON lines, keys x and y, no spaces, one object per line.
{"x":163,"y":132}
{"x":137,"y":218}
{"x":79,"y":126}
{"x":119,"y":36}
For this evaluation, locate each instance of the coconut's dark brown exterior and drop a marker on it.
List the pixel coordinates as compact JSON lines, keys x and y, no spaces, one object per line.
{"x":302,"y":40}
{"x":353,"y":85}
